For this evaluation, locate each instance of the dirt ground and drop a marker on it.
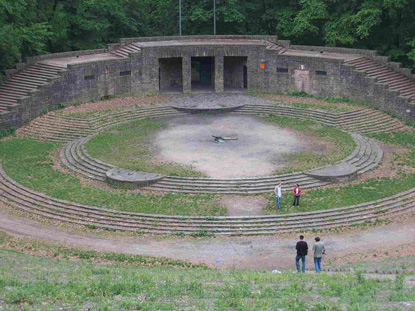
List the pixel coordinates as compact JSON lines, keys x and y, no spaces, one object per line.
{"x":243,"y":205}
{"x":258,"y":252}
{"x":260,"y":148}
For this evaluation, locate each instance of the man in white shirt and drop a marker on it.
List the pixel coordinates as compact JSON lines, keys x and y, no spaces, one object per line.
{"x":278,"y":194}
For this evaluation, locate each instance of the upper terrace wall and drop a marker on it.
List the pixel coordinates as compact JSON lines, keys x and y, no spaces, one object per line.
{"x":294,"y":73}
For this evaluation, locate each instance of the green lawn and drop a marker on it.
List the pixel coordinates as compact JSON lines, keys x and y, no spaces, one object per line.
{"x":321,"y":199}
{"x":29,"y":162}
{"x":127,"y":146}
{"x":302,"y":161}
{"x":404,"y":263}
{"x":41,"y":283}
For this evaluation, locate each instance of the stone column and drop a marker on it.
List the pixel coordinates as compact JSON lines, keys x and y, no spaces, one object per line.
{"x":187,"y":74}
{"x":219,"y":79}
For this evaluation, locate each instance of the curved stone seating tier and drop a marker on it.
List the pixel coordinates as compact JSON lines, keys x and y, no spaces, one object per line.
{"x":50,"y":129}
{"x":365,"y":157}
{"x":57,"y":128}
{"x":358,"y":121}
{"x":21,"y":198}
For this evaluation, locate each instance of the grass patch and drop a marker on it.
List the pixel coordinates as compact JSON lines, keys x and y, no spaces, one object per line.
{"x":405,"y":139}
{"x":29,"y":163}
{"x":373,"y":189}
{"x":38,"y":283}
{"x":127,"y":146}
{"x":321,"y":107}
{"x":322,"y":199}
{"x":8,"y":132}
{"x":388,"y":264}
{"x":345,"y":144}
{"x":88,"y":114}
{"x":20,"y":245}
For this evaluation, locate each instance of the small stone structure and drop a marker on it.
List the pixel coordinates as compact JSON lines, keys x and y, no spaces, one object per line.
{"x":342,"y":172}
{"x":203,"y":63}
{"x":131,"y":179}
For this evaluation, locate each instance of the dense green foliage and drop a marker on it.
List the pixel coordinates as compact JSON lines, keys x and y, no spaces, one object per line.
{"x":39,"y":283}
{"x":30,"y":27}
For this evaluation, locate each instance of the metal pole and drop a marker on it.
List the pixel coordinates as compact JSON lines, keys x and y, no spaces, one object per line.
{"x":180,"y":17}
{"x":214,"y":17}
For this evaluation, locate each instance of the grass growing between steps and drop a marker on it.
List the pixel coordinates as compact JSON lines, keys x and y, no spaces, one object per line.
{"x":29,"y":163}
{"x":369,"y":190}
{"x":127,"y":146}
{"x":405,"y":139}
{"x":404,"y":264}
{"x":322,"y":199}
{"x":309,"y":101}
{"x":88,"y":114}
{"x":39,"y":283}
{"x":40,"y":248}
{"x":301,"y":161}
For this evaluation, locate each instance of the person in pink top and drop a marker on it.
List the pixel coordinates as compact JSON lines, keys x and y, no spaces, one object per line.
{"x":297,"y":193}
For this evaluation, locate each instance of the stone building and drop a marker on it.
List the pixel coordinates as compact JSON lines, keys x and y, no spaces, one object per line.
{"x":204,"y":64}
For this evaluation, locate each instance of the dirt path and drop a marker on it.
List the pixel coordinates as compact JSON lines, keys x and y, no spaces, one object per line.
{"x":262,"y":252}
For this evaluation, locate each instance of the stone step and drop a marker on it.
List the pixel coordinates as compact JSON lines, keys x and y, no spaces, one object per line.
{"x":9,"y":97}
{"x":15,"y":86}
{"x":13,"y":92}
{"x":391,"y":79}
{"x":286,"y":223}
{"x":31,"y":77}
{"x":27,"y":81}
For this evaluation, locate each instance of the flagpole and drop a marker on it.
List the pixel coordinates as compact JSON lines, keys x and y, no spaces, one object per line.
{"x":214,"y":17}
{"x":180,"y":17}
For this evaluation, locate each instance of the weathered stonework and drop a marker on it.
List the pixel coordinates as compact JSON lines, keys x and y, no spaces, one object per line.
{"x":166,"y":61}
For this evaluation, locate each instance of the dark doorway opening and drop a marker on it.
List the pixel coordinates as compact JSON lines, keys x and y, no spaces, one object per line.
{"x":235,"y":73}
{"x":170,"y":74}
{"x":203,"y":74}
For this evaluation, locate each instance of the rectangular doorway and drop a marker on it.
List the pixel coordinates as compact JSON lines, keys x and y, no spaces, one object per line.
{"x":203,"y":74}
{"x":170,"y":75}
{"x":235,"y":73}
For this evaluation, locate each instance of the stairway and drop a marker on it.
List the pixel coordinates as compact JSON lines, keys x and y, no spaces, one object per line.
{"x":74,"y":155}
{"x":16,"y":196}
{"x":25,"y":83}
{"x":275,"y":47}
{"x":126,"y":50}
{"x":384,"y":75}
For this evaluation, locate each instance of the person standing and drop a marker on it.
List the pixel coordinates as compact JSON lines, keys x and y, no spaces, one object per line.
{"x":302,"y":251}
{"x":297,"y":193}
{"x":319,"y":251}
{"x":278,"y":195}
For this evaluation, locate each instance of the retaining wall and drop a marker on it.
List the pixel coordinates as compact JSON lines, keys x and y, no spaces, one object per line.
{"x":281,"y":73}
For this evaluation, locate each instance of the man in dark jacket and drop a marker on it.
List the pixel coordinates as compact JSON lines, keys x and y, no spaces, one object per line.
{"x":302,"y":250}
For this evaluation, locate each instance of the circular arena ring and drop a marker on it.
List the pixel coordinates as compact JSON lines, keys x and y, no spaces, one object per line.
{"x":74,"y":133}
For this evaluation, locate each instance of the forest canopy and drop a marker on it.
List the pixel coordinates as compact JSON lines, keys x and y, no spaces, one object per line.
{"x":32,"y":27}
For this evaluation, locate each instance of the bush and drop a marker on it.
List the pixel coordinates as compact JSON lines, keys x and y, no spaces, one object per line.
{"x":10,"y":131}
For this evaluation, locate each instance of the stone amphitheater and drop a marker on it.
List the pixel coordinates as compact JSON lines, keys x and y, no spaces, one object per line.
{"x":221,"y":64}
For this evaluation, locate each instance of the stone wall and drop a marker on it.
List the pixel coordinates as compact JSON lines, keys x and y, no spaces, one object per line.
{"x":267,"y":72}
{"x":234,"y":71}
{"x":170,"y":73}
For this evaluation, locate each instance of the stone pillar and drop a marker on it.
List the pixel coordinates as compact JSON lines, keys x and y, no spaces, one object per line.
{"x":187,"y":74}
{"x":219,"y":79}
